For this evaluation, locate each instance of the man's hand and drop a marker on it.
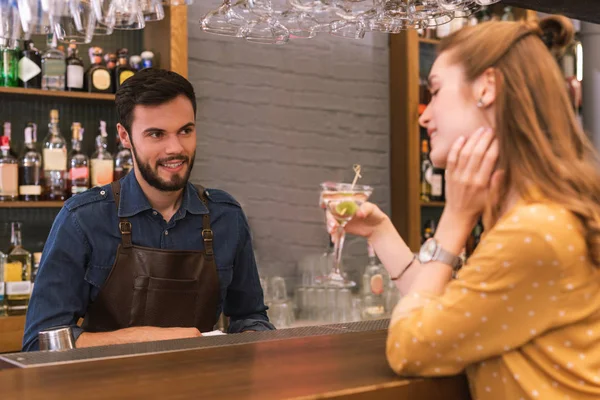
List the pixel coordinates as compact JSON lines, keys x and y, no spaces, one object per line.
{"x":136,"y":334}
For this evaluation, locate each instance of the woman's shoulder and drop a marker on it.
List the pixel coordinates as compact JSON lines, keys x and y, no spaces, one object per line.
{"x":547,"y":221}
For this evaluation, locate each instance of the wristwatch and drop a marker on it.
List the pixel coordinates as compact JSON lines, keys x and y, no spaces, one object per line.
{"x":432,"y":251}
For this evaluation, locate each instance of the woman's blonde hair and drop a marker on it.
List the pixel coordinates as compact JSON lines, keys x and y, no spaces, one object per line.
{"x":541,"y":142}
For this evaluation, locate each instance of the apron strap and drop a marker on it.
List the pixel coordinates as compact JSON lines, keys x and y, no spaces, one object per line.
{"x":207,"y":233}
{"x":124,"y":224}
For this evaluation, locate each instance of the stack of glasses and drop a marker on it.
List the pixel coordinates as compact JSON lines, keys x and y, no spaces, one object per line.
{"x":77,"y":21}
{"x":278,"y":21}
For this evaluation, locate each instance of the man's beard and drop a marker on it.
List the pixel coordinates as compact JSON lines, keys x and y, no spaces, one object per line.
{"x":151,"y":175}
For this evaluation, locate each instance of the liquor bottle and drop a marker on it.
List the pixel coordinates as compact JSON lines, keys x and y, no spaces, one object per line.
{"x":375,"y":284}
{"x":98,"y":77}
{"x":123,"y":160}
{"x":428,"y":230}
{"x":102,"y":170}
{"x":508,"y":14}
{"x":37,"y":257}
{"x":7,"y":129}
{"x":135,"y":62}
{"x":147,"y":59}
{"x":79,"y":170}
{"x":110,"y":60}
{"x":425,"y":168}
{"x":30,"y":170}
{"x":123,"y":71}
{"x":9,"y":63}
{"x":17,"y":272}
{"x":75,"y":71}
{"x":9,"y":172}
{"x":55,"y":161}
{"x":438,"y":184}
{"x":53,"y":66}
{"x":30,"y":67}
{"x":2,"y":285}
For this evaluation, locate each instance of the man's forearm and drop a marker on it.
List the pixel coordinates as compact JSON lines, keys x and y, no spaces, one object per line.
{"x":136,"y":334}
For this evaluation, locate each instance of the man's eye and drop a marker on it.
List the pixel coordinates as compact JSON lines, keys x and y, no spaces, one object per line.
{"x":155,"y":135}
{"x":187,"y":131}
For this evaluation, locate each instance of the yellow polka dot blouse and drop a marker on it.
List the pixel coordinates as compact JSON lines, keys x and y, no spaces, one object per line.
{"x":522,"y":318}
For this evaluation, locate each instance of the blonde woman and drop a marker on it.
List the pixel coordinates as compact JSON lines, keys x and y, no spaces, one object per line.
{"x":522,"y":317}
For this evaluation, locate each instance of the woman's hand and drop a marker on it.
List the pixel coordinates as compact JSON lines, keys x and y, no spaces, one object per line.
{"x":470,"y":174}
{"x":368,"y":220}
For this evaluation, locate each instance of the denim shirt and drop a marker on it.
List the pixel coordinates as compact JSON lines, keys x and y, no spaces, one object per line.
{"x":81,"y":250}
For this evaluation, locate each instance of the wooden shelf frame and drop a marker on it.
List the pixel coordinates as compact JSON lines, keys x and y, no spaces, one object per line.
{"x":58,"y":94}
{"x":433,"y":204}
{"x":31,"y":204}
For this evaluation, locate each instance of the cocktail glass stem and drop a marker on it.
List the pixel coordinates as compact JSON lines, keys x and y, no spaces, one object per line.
{"x":339,"y":237}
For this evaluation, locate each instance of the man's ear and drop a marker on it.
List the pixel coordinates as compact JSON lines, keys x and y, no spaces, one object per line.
{"x":124,"y":136}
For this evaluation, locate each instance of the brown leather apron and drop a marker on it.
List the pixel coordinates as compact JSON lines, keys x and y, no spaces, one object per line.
{"x":155,"y":287}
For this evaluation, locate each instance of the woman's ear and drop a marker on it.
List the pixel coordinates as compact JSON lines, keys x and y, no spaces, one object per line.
{"x":484,"y":89}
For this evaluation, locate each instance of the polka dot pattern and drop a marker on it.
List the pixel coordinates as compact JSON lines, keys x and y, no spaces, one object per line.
{"x":527,"y":288}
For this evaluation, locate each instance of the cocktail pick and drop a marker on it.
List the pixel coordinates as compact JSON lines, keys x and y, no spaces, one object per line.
{"x":356,"y":168}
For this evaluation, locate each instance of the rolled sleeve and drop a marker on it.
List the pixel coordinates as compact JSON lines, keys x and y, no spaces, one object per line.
{"x":244,"y":304}
{"x":60,"y":295}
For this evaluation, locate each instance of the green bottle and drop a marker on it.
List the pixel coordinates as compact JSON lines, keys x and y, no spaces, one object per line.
{"x":9,"y":63}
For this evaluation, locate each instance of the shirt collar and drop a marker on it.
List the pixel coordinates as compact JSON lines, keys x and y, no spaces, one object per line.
{"x":134,"y":201}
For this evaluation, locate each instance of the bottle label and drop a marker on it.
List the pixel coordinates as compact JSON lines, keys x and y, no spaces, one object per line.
{"x":13,"y":271}
{"x":377,"y":284}
{"x":30,"y":190}
{"x":54,"y":68}
{"x":28,"y":69}
{"x":102,"y":172}
{"x":78,"y":189}
{"x":101,"y":79}
{"x":18,"y":288}
{"x":436,"y":185}
{"x":1,"y":293}
{"x":79,"y":173}
{"x":9,"y":180}
{"x":75,"y":76}
{"x":123,"y":76}
{"x":55,"y":159}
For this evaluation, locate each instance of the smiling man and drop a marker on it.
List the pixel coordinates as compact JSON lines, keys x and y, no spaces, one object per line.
{"x":150,"y":257}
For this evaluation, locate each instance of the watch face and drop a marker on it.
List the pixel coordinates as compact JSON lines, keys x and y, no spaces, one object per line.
{"x":427,"y":250}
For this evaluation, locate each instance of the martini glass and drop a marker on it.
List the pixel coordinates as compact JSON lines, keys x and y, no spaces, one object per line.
{"x":342,"y":200}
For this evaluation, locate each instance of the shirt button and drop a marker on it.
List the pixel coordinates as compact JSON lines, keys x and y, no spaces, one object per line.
{"x":102,"y":192}
{"x":166,"y":233}
{"x":154,"y":213}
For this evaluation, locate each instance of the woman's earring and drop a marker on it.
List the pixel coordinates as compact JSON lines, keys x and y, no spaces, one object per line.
{"x":480,"y":103}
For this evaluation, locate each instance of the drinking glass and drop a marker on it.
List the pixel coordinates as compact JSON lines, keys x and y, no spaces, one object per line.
{"x":10,"y":20}
{"x":342,"y":201}
{"x":125,"y":15}
{"x":74,"y":21}
{"x":224,"y":21}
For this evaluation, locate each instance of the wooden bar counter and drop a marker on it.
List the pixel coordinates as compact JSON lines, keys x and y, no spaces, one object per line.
{"x":349,"y":365}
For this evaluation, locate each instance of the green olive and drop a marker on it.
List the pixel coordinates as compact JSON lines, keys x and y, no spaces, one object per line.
{"x":346,"y":208}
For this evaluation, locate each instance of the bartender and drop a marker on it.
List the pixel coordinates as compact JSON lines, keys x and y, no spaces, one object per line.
{"x":149,"y":257}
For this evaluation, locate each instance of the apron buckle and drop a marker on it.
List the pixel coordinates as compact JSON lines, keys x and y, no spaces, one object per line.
{"x":207,"y":234}
{"x":125,"y":228}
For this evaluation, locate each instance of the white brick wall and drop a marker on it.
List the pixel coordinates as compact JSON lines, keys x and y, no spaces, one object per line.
{"x":274,"y":122}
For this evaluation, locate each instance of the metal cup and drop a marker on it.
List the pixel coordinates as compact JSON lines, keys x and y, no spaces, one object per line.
{"x":57,"y":339}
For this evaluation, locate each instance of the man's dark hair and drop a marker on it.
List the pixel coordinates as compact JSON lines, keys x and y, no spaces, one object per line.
{"x":150,"y":87}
